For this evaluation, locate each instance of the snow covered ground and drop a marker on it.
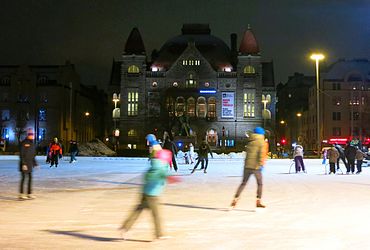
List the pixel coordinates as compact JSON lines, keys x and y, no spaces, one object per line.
{"x":81,"y":205}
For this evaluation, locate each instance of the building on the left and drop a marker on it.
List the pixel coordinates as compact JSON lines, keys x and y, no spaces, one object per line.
{"x":51,"y":101}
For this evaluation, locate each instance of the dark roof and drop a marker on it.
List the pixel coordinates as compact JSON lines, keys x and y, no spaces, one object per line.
{"x":268,"y":74}
{"x":134,"y":43}
{"x":215,"y":51}
{"x":249,"y":45}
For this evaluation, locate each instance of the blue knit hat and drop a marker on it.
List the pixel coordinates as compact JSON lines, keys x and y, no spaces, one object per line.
{"x":152,"y":140}
{"x":259,"y":130}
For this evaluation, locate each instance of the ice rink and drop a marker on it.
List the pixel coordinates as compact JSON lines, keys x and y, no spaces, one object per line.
{"x":81,"y":205}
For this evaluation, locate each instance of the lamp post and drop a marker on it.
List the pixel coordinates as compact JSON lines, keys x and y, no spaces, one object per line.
{"x":116,"y":115}
{"x":317,"y":57}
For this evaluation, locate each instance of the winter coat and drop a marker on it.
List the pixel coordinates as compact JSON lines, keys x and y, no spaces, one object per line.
{"x":204,"y":149}
{"x":27,"y":156}
{"x":298,"y":151}
{"x":156,"y":177}
{"x":73,"y":147}
{"x":55,"y":149}
{"x":350,"y":153}
{"x":360,"y":155}
{"x":255,"y":152}
{"x":333,"y":155}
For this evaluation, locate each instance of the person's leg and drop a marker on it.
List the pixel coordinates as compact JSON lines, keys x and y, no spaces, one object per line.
{"x":348,"y":167}
{"x":296,"y":163}
{"x":174,"y":162}
{"x":301,"y":163}
{"x":246,"y":175}
{"x":205,"y":168}
{"x":332,"y":167}
{"x":29,"y":183}
{"x":338,"y":163}
{"x":22,"y":183}
{"x":196,"y":165}
{"x":352,"y":166}
{"x":258,"y":175}
{"x":153,"y":206}
{"x":56,"y":160}
{"x":135,"y":214}
{"x":359,"y":166}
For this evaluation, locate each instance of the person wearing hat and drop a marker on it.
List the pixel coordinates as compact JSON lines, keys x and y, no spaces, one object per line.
{"x":56,"y":152}
{"x":27,"y":163}
{"x":254,"y":161}
{"x":154,"y":182}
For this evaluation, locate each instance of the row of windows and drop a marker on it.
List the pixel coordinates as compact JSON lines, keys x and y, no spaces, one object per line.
{"x":337,"y":101}
{"x":355,"y":131}
{"x":22,"y":115}
{"x":190,"y":62}
{"x":354,"y":86}
{"x":352,"y":116}
{"x":201,"y":108}
{"x":5,"y":134}
{"x":133,"y":69}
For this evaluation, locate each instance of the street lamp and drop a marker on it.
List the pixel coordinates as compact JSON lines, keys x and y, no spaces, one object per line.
{"x":116,"y":115}
{"x":317,"y":57}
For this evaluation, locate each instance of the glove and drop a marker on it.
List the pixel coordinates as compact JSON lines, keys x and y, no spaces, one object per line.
{"x":24,"y":168}
{"x":60,"y":156}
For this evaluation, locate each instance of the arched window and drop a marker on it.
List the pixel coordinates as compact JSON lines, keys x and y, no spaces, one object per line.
{"x":201,"y":107}
{"x":132,"y":132}
{"x":133,"y":69}
{"x":249,"y":70}
{"x":191,"y":107}
{"x":170,"y":106}
{"x":42,"y":80}
{"x":5,"y":80}
{"x":211,"y":107}
{"x":42,"y":114}
{"x":180,"y":106}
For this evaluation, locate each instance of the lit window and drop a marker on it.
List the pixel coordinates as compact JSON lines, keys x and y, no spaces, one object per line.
{"x":132,"y":132}
{"x":206,"y":84}
{"x":133,"y":102}
{"x":42,"y":114}
{"x":42,"y":134}
{"x":201,"y":107}
{"x":180,"y":106}
{"x":154,"y":84}
{"x":170,"y":106}
{"x":211,"y":107}
{"x":175,"y":84}
{"x":133,"y":69}
{"x":248,"y":102}
{"x":249,"y":70}
{"x":5,"y":115}
{"x":191,"y":107}
{"x":5,"y":133}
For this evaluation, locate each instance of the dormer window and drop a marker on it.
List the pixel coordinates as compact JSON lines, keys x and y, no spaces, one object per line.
{"x":190,"y":62}
{"x":249,"y":70}
{"x":133,"y":69}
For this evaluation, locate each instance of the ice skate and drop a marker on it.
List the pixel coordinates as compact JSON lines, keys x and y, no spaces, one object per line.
{"x":259,"y":204}
{"x":30,"y":196}
{"x":233,"y":203}
{"x":22,"y":197}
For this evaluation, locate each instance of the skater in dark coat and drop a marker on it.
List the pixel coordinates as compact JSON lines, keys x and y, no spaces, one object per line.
{"x":256,"y":154}
{"x":350,"y":153}
{"x":73,"y":149}
{"x":171,"y":146}
{"x":27,"y":163}
{"x":204,"y":149}
{"x":298,"y":158}
{"x":341,"y":155}
{"x":359,"y":159}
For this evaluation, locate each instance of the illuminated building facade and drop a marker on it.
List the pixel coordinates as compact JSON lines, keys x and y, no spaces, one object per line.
{"x":195,"y":86}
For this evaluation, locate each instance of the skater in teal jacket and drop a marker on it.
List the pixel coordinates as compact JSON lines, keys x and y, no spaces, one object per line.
{"x":154,"y":182}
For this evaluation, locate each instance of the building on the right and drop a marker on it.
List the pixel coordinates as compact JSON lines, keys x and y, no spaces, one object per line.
{"x":344,"y":104}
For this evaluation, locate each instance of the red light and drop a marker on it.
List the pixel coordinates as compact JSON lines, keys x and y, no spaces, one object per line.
{"x":283,"y":141}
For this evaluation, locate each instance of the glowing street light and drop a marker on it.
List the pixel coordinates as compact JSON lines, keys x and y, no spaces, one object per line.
{"x":317,"y":57}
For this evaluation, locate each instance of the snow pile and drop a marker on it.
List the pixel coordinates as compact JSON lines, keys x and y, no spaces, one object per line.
{"x":95,"y":148}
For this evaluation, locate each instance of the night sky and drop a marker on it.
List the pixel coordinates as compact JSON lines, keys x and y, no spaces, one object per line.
{"x":91,"y":33}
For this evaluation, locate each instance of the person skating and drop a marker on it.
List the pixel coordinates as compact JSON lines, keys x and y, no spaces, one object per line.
{"x":255,"y":157}
{"x":350,"y":153}
{"x":56,"y":152}
{"x":204,"y":150}
{"x":154,"y":183}
{"x":73,"y":149}
{"x":27,"y":163}
{"x":341,"y":156}
{"x":171,"y":146}
{"x":333,"y":156}
{"x":191,"y":153}
{"x":298,"y":158}
{"x":359,"y":159}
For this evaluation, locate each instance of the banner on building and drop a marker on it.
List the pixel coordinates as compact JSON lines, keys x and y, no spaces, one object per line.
{"x":227,"y":105}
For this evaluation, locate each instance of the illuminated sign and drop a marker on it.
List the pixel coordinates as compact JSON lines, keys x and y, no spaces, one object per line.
{"x":207,"y":91}
{"x":227,"y":110}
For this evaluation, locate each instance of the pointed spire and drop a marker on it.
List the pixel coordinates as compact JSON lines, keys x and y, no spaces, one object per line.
{"x":249,"y":43}
{"x":134,"y":43}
